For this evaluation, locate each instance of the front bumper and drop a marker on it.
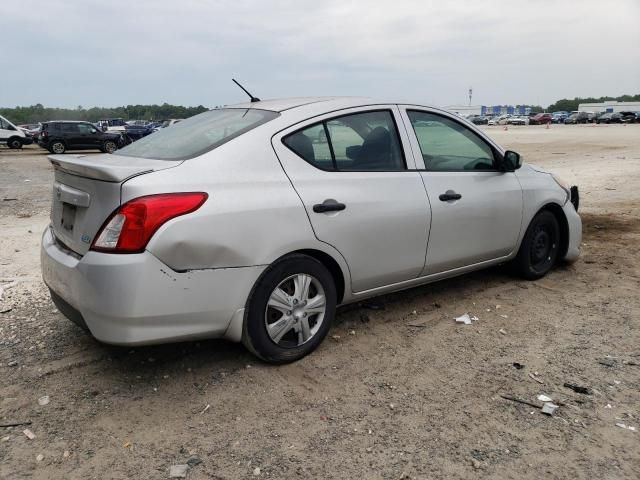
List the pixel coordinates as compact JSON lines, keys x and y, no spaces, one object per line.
{"x":575,"y":226}
{"x":136,"y":299}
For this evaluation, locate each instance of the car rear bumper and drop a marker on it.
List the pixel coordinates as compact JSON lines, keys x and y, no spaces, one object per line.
{"x":136,"y":299}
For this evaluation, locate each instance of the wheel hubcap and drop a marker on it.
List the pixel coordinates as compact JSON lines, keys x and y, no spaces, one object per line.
{"x":542,"y":248}
{"x":295,"y":310}
{"x":58,"y":148}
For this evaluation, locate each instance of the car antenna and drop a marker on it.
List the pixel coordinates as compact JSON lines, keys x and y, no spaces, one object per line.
{"x":253,"y":99}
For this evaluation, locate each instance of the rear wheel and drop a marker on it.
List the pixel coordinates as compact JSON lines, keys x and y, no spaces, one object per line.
{"x":57,"y":147}
{"x":290,"y":310}
{"x":540,"y":246}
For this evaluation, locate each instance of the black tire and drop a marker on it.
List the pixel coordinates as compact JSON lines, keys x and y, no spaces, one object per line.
{"x":255,"y":336}
{"x":57,"y":147}
{"x":109,"y":146}
{"x":540,"y":247}
{"x":14,"y":143}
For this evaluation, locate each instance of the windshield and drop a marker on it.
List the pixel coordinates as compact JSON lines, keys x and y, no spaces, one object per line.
{"x":199,"y":134}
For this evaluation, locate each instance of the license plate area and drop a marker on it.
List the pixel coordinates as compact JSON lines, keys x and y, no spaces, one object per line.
{"x":68,"y":218}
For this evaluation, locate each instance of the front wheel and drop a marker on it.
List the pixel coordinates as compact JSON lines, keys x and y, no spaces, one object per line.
{"x":109,"y":146}
{"x":290,"y":310}
{"x":540,"y":247}
{"x":14,"y":143}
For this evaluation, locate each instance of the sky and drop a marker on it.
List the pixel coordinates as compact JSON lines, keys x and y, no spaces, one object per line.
{"x":65,"y":53}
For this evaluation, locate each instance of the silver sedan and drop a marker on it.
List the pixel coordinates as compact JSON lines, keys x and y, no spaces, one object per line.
{"x":253,"y":222}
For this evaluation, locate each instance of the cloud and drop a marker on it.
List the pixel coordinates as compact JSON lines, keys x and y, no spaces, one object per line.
{"x":70,"y":52}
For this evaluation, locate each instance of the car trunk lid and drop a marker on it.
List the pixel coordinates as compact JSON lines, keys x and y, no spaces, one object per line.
{"x":87,"y":189}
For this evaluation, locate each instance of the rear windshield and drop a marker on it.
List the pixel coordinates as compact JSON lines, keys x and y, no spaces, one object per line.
{"x":199,"y":134}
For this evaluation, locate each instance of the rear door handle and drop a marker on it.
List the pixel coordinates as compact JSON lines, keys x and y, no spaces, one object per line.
{"x":449,"y":195}
{"x":329,"y":205}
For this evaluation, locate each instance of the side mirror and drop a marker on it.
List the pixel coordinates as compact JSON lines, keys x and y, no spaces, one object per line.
{"x":511,"y":161}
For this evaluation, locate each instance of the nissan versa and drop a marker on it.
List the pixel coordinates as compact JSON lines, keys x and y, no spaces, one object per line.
{"x":253,"y":222}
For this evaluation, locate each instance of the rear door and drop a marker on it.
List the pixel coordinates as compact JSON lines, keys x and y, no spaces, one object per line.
{"x":476,"y":209}
{"x":357,"y":180}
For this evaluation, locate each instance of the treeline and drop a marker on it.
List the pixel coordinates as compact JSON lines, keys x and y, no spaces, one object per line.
{"x":568,"y":105}
{"x":39,"y":113}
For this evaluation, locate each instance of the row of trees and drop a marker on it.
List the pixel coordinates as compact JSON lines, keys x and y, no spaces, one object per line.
{"x":39,"y":113}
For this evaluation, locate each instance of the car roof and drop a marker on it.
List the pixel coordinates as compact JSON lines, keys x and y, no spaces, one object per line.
{"x":67,"y":121}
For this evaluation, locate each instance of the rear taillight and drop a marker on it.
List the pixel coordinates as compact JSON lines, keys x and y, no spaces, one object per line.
{"x":130,"y":227}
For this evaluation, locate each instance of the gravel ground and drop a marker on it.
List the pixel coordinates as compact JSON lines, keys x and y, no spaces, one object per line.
{"x":397,"y":390}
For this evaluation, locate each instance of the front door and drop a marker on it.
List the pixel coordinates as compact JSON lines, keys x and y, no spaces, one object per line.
{"x":476,"y":209}
{"x":88,"y":136}
{"x":357,"y":180}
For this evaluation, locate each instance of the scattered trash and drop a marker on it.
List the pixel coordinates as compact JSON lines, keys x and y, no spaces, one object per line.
{"x":178,"y":471}
{"x":12,"y":363}
{"x":392,"y":406}
{"x":352,"y":332}
{"x":193,"y":461}
{"x":504,"y":316}
{"x":627,"y":427}
{"x":578,"y":388}
{"x":42,"y":401}
{"x":9,"y":199}
{"x":205,"y":409}
{"x":502,"y":331}
{"x":126,"y":444}
{"x":518,"y":366}
{"x":548,"y":408}
{"x":536,"y":379}
{"x":466,"y":319}
{"x":39,"y":458}
{"x":608,"y":405}
{"x":66,"y":454}
{"x":256,"y":471}
{"x":29,"y":434}
{"x":335,"y":337}
{"x":518,"y":400}
{"x":608,"y":362}
{"x":544,"y":398}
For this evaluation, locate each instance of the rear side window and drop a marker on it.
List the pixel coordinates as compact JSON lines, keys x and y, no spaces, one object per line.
{"x":366,"y":141}
{"x":68,"y":127}
{"x":199,"y":134}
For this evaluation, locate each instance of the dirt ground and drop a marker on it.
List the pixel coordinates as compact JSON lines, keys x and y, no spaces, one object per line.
{"x":398,"y":390}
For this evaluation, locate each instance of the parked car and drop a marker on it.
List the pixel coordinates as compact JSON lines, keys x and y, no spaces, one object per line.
{"x":134,"y":132}
{"x":170,"y":122}
{"x":577,"y":117}
{"x":60,"y":136}
{"x":244,"y":222}
{"x":627,"y":117}
{"x":540,"y":119}
{"x":13,"y":136}
{"x":479,"y":120}
{"x":518,"y":121}
{"x":559,"y":117}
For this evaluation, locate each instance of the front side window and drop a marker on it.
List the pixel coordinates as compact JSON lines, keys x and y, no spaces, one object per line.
{"x":366,"y":141}
{"x":199,"y":134}
{"x":449,"y":146}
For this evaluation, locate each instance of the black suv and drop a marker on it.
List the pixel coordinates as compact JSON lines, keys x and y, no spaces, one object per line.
{"x":60,"y":136}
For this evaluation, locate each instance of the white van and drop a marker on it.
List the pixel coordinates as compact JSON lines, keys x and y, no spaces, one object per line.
{"x":12,"y":135}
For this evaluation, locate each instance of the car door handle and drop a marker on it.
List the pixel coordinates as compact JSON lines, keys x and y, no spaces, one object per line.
{"x":449,"y":195}
{"x":329,"y":205}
